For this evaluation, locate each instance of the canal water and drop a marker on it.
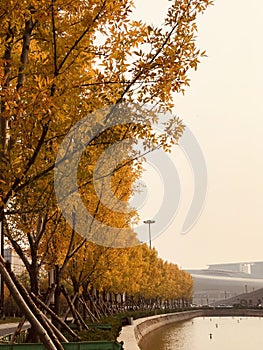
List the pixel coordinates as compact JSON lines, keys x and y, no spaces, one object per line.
{"x":204,"y":333}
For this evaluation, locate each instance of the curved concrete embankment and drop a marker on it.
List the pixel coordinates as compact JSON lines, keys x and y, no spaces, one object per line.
{"x":132,"y":335}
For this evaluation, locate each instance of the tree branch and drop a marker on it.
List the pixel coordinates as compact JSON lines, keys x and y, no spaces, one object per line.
{"x":81,"y":37}
{"x":25,"y":52}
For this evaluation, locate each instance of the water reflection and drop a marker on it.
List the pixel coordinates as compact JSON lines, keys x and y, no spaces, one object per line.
{"x":217,"y":333}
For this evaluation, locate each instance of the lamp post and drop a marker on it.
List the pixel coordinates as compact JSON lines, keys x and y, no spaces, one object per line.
{"x":149,"y":222}
{"x":245,"y":288}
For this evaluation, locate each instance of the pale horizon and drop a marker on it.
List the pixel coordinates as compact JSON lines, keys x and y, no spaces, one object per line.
{"x":223,"y":109}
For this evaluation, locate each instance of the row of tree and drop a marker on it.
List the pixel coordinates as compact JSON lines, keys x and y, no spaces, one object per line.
{"x":61,"y":61}
{"x":111,"y":280}
{"x":137,"y":272}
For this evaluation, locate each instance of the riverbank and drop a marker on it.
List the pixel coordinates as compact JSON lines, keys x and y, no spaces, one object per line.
{"x":132,"y":335}
{"x":206,"y":333}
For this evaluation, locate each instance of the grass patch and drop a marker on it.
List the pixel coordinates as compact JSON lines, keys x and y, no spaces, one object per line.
{"x":116,"y":322}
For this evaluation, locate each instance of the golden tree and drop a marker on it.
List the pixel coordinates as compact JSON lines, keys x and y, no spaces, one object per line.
{"x":61,"y":60}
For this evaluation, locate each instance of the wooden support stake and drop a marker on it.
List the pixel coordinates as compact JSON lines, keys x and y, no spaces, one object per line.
{"x":18,"y":329}
{"x":91,"y":315}
{"x":52,"y":313}
{"x":68,"y":309}
{"x":79,"y":320}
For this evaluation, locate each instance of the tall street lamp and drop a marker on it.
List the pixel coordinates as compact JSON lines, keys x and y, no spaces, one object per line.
{"x":149,"y":222}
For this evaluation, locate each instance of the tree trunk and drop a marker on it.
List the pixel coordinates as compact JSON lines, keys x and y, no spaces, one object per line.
{"x":33,"y":274}
{"x":57,"y":292}
{"x":36,"y":311}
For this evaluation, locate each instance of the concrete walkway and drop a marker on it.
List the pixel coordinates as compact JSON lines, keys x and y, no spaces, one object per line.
{"x":127,"y":336}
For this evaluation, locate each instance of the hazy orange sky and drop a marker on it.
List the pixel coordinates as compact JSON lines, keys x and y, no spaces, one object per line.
{"x":223,"y":108}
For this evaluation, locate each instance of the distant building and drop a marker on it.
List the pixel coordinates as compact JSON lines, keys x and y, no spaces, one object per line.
{"x":257,"y":269}
{"x":16,"y":263}
{"x":254,"y":269}
{"x":235,"y":267}
{"x":223,"y":281}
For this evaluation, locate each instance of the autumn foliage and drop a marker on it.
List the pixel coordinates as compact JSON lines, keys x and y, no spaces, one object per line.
{"x":59,"y":61}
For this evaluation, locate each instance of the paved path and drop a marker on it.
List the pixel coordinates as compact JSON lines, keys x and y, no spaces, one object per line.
{"x":8,"y":328}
